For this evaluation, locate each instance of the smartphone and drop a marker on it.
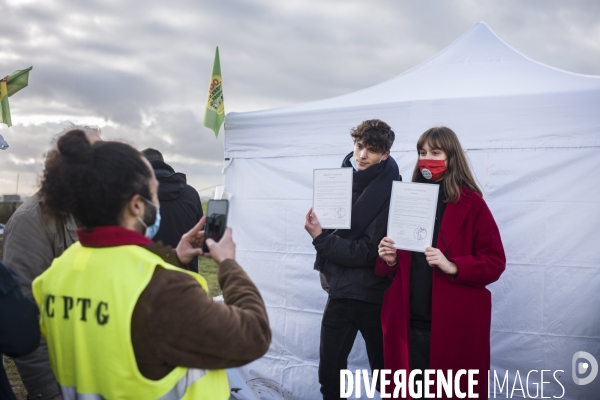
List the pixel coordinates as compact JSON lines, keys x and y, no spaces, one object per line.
{"x":216,"y":221}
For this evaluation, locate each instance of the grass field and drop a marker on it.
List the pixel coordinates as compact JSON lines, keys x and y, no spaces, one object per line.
{"x":206,"y":267}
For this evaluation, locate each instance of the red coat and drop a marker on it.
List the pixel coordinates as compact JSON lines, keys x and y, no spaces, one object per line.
{"x":461,"y":306}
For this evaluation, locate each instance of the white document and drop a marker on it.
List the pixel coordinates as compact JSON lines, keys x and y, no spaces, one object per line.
{"x":332,"y":197}
{"x":412,"y":215}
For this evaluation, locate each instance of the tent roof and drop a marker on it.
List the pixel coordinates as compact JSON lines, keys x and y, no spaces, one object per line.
{"x":490,"y":94}
{"x":478,"y":64}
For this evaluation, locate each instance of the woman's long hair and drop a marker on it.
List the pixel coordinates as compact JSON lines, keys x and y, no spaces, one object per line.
{"x":458,"y":172}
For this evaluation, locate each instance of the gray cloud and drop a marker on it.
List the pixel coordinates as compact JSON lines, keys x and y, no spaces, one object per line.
{"x":142,"y":67}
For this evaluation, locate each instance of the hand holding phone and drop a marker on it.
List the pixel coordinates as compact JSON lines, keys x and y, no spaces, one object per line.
{"x":191,"y":243}
{"x":224,"y":249}
{"x":216,"y":221}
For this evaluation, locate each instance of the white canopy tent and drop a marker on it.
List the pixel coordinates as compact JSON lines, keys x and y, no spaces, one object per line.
{"x":532,"y":134}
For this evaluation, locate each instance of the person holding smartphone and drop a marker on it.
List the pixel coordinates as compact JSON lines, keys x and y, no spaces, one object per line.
{"x":346,"y":257}
{"x":437,"y":313}
{"x":121,"y":318}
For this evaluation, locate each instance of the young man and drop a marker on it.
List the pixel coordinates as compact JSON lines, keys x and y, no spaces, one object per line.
{"x":346,"y":258}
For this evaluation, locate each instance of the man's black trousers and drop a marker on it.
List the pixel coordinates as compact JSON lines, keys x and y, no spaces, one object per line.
{"x":342,"y":320}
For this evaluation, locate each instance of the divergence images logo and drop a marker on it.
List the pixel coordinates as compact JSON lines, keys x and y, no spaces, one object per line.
{"x":583,"y":367}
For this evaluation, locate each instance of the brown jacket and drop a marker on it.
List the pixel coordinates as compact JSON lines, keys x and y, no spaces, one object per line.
{"x":175,"y":322}
{"x":32,"y":240}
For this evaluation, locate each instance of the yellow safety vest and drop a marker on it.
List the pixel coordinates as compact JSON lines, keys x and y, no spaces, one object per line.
{"x":86,"y":300}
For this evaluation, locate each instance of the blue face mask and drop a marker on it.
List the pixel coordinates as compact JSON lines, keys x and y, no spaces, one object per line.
{"x":152,"y":229}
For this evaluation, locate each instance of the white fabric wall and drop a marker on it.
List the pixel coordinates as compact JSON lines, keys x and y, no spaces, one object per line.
{"x":545,"y":306}
{"x":536,"y":154}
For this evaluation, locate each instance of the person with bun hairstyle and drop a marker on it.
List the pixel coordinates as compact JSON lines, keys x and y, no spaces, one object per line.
{"x":122,"y":319}
{"x":437,"y":312}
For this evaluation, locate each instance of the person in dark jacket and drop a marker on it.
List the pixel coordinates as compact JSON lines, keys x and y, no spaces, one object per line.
{"x":346,"y":258}
{"x":19,"y":326}
{"x":33,"y":237}
{"x":180,"y":205}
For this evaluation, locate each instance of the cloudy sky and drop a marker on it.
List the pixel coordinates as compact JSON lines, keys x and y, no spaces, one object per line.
{"x":139,"y":69}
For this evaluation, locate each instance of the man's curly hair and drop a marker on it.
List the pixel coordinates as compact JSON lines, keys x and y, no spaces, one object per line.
{"x":374,"y":134}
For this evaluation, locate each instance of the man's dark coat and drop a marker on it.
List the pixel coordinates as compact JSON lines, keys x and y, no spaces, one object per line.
{"x":180,"y":206}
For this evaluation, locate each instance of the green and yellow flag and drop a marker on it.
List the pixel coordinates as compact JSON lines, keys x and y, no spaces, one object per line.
{"x":10,"y":85}
{"x":4,"y":110}
{"x":215,"y":106}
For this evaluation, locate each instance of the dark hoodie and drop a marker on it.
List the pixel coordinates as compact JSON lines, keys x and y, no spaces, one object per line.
{"x":347,"y":256}
{"x":180,"y":206}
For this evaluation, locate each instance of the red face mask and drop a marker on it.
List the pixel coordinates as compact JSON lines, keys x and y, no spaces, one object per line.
{"x":432,"y":169}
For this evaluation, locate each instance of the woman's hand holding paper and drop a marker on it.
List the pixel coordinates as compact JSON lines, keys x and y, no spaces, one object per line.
{"x":387,"y":252}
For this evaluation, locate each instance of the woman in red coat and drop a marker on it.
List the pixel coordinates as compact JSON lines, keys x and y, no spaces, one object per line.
{"x":437,"y":312}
